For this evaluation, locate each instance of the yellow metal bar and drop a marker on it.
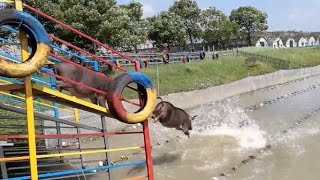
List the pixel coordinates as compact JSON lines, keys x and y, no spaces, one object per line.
{"x":7,"y":1}
{"x":70,"y":98}
{"x":37,"y":102}
{"x":4,"y":81}
{"x":69,"y":154}
{"x":76,"y":115}
{"x":29,"y":103}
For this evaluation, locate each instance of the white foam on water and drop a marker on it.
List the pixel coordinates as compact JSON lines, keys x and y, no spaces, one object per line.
{"x":249,"y":137}
{"x":228,"y":120}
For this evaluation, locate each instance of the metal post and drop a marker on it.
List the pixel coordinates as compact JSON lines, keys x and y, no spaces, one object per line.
{"x":56,"y":115}
{"x":106,"y":144}
{"x":146,"y":137}
{"x":96,"y":66}
{"x":80,"y":148}
{"x":29,"y":103}
{"x":3,"y":165}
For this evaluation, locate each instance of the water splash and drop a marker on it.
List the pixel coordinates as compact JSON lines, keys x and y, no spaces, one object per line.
{"x":228,"y":120}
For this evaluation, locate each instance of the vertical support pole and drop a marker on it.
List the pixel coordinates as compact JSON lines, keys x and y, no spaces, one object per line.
{"x":106,"y":145}
{"x":146,"y":138}
{"x":29,"y":103}
{"x":96,"y":66}
{"x":80,"y":148}
{"x":56,"y":115}
{"x":137,"y":65}
{"x":3,"y":165}
{"x":76,"y":115}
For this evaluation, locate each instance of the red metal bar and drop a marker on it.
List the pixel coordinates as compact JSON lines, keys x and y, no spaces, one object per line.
{"x":91,"y":71}
{"x":146,"y":138}
{"x":65,"y":136}
{"x":77,"y":32}
{"x":76,"y":83}
{"x":130,"y":102}
{"x":137,"y":66}
{"x":148,"y":153}
{"x":82,"y":67}
{"x":86,"y":52}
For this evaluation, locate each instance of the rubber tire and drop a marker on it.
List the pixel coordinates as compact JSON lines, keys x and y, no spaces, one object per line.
{"x":188,"y":59}
{"x":145,"y":86}
{"x":146,"y":63}
{"x":142,"y":65}
{"x":183,"y":58}
{"x":39,"y":39}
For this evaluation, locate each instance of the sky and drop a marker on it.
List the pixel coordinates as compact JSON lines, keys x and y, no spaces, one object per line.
{"x":282,"y":14}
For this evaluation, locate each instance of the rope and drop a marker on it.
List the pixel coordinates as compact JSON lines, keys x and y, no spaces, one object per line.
{"x":75,"y":169}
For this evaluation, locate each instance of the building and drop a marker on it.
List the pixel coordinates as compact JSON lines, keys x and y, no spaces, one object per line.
{"x":275,"y":42}
{"x":303,"y":42}
{"x":262,"y":42}
{"x":311,"y":41}
{"x":288,"y":41}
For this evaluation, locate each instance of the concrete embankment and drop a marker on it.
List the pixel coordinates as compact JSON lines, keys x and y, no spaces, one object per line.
{"x":198,"y":97}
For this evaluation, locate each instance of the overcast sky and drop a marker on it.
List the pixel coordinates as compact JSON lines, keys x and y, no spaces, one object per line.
{"x":282,"y":14}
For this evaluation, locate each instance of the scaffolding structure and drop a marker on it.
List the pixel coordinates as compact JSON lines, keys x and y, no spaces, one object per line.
{"x":38,"y":156}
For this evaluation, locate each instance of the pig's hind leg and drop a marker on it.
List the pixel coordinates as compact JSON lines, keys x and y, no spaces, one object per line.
{"x":185,"y":128}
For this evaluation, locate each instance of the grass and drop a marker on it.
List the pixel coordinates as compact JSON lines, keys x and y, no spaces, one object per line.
{"x":298,"y":57}
{"x":14,"y":123}
{"x":202,"y":74}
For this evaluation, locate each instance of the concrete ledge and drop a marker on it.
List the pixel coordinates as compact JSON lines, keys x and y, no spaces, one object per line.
{"x":195,"y":98}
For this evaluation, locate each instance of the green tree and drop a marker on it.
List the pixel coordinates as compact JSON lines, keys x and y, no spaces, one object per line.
{"x":136,"y":26}
{"x":250,"y":21}
{"x":189,"y":12}
{"x":218,"y":30}
{"x":101,"y":19}
{"x":166,"y":29}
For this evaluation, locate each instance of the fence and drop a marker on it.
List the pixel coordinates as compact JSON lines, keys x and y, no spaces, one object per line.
{"x":276,"y":62}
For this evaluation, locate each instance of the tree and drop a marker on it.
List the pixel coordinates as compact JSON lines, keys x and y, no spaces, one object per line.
{"x":189,"y":12}
{"x":166,"y":29}
{"x":250,"y":21}
{"x":136,"y":26}
{"x":218,"y":30}
{"x":101,"y":19}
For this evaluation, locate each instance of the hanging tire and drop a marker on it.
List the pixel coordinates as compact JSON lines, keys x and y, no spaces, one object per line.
{"x":143,"y":63}
{"x":148,"y":97}
{"x":39,"y":39}
{"x":202,"y":55}
{"x":188,"y":59}
{"x":146,"y":63}
{"x":183,"y":58}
